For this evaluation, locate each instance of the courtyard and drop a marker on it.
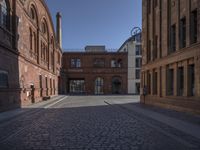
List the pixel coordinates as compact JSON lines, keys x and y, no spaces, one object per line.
{"x":97,"y":122}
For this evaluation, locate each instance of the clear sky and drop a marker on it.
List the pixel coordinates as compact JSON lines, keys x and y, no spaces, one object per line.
{"x":96,"y":22}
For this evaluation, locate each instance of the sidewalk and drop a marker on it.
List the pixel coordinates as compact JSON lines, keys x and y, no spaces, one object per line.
{"x":185,"y":125}
{"x":4,"y":116}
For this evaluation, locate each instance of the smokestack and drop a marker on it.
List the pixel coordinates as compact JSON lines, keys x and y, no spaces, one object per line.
{"x":59,"y":29}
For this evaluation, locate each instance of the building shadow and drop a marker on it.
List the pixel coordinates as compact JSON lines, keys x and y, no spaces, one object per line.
{"x":9,"y":66}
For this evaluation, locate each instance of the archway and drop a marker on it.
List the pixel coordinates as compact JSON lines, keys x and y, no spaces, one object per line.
{"x":116,"y":85}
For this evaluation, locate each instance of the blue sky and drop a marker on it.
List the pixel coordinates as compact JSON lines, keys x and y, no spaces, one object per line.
{"x":96,"y":22}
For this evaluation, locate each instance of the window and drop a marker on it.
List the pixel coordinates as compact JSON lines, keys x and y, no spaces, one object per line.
{"x":191,"y":80}
{"x":183,"y":32}
{"x":116,"y":63}
{"x":77,"y":86}
{"x":4,"y":14}
{"x":148,"y":82}
{"x":138,"y":38}
{"x":138,"y":50}
{"x":32,"y":13}
{"x":155,"y":49}
{"x":155,"y":83}
{"x":138,"y":62}
{"x":137,"y":85}
{"x":137,"y":73}
{"x":99,"y":62}
{"x":75,"y":63}
{"x":193,"y":27}
{"x":99,"y":86}
{"x":3,"y":79}
{"x":170,"y":82}
{"x":155,"y":3}
{"x":180,"y":81}
{"x":149,"y":51}
{"x":172,"y":38}
{"x":149,"y":6}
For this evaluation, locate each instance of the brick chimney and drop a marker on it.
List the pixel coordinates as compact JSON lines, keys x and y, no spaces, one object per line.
{"x":59,"y":29}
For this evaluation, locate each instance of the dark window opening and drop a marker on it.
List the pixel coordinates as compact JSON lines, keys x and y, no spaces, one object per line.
{"x":155,"y":83}
{"x":138,"y":50}
{"x":3,"y":79}
{"x":155,"y":49}
{"x":137,"y":73}
{"x":170,"y":82}
{"x":193,"y":27}
{"x":149,"y":83}
{"x":172,"y":39}
{"x":191,"y":80}
{"x":138,"y":62}
{"x":180,"y":81}
{"x":183,"y":33}
{"x":149,"y":51}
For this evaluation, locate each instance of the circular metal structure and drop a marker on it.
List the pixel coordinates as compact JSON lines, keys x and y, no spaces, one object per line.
{"x":135,"y":31}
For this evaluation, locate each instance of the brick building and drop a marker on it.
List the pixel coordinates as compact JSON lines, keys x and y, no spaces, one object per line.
{"x":95,"y":71}
{"x":30,"y":55}
{"x":171,"y":53}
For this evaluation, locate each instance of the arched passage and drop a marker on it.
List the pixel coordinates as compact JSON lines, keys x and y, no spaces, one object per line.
{"x":116,"y":85}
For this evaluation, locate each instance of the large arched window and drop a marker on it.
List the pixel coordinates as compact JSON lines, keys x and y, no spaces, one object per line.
{"x":99,"y":85}
{"x":4,"y":14}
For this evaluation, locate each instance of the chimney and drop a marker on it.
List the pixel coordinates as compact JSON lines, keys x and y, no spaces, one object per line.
{"x":59,"y":29}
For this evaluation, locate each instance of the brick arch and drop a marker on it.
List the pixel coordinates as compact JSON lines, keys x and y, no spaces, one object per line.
{"x":44,"y":21}
{"x":32,"y":5}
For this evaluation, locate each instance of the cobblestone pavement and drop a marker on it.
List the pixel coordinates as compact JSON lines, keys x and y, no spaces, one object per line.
{"x":90,"y":123}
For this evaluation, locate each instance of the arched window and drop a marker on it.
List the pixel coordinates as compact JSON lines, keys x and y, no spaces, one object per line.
{"x":99,"y":85}
{"x":4,"y":14}
{"x":33,"y":14}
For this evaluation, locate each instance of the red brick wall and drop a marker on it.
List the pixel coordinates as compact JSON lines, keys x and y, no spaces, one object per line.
{"x":90,"y":73}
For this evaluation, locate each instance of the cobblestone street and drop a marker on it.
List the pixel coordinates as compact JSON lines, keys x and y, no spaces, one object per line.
{"x":101,"y":122}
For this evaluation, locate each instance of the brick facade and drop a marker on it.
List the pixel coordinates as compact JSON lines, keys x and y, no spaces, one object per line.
{"x":30,"y":54}
{"x":89,"y":72}
{"x":165,"y":51}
